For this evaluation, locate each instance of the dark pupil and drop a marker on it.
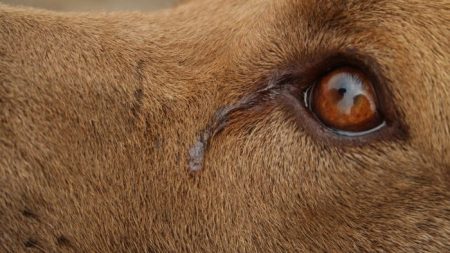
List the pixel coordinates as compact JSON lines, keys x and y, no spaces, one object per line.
{"x":342,"y":91}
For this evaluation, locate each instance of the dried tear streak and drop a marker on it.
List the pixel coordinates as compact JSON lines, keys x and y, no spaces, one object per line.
{"x":218,"y":122}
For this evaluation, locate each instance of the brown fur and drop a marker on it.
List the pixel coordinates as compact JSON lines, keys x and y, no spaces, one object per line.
{"x":98,"y":112}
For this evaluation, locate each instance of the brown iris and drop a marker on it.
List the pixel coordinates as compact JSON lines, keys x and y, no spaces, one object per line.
{"x":345,"y":100}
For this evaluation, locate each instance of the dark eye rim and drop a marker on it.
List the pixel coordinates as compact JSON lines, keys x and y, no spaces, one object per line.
{"x":302,"y":76}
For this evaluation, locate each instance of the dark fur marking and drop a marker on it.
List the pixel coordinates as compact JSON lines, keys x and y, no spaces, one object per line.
{"x":137,"y":104}
{"x":140,"y":70}
{"x":158,"y":143}
{"x":29,"y":214}
{"x":138,"y":94}
{"x":31,"y":243}
{"x":150,"y":249}
{"x":63,"y":241}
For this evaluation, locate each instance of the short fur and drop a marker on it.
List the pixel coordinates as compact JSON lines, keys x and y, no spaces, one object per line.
{"x":98,"y":112}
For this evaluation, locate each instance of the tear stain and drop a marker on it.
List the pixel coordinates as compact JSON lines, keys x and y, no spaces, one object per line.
{"x":220,"y":120}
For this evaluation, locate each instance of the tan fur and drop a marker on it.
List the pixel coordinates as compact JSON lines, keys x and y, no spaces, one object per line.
{"x":99,"y":110}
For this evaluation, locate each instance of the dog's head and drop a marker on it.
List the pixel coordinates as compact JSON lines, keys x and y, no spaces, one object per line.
{"x":233,"y":126}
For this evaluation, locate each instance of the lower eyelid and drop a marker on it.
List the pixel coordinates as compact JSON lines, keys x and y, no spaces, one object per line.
{"x":362,"y":133}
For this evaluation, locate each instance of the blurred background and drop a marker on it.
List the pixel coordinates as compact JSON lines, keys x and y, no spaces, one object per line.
{"x":94,"y":5}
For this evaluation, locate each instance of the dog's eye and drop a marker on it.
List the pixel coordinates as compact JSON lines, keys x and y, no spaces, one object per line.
{"x":345,"y":101}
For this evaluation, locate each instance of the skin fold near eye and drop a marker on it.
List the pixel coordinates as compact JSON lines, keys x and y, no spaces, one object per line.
{"x":345,"y":101}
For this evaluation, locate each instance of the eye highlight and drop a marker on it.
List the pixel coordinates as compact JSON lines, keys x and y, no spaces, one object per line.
{"x":345,"y":101}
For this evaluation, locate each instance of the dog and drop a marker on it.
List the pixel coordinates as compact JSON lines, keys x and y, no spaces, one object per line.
{"x":227,"y":126}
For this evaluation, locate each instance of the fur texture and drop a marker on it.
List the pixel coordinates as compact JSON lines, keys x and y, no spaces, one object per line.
{"x":98,"y":112}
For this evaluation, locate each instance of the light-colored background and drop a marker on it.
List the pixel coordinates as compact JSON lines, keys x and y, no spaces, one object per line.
{"x":86,"y":5}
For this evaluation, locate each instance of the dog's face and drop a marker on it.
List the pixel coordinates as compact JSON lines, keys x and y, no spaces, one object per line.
{"x":227,"y":126}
